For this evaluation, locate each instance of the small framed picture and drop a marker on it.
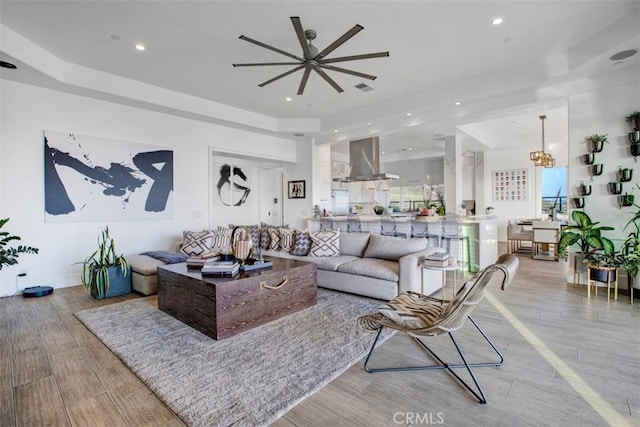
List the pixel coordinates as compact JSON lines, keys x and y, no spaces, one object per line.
{"x":296,"y":190}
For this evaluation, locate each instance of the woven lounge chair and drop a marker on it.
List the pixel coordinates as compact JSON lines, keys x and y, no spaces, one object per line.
{"x":423,"y":316}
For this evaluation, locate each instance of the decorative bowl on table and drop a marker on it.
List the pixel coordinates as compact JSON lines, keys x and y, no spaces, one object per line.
{"x":378,"y":210}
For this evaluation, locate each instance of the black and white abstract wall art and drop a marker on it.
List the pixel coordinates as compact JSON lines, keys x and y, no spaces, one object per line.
{"x":94,"y":179}
{"x":232,"y":184}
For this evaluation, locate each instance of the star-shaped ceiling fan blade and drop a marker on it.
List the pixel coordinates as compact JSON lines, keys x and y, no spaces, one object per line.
{"x":266,"y":46}
{"x":263,"y":84}
{"x":336,"y":44}
{"x":297,"y":25}
{"x":356,"y":57}
{"x":346,"y":71}
{"x":303,"y":82}
{"x":328,"y":79}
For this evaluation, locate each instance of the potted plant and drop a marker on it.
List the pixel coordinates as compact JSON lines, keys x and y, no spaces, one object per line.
{"x":584,"y":233}
{"x":489,"y":210}
{"x":633,"y":120}
{"x":631,"y":247}
{"x":596,"y":142}
{"x":584,"y":189}
{"x":9,"y":255}
{"x":104,"y":273}
{"x":378,"y":209}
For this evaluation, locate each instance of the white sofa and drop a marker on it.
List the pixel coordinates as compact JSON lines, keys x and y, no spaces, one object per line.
{"x":375,"y":266}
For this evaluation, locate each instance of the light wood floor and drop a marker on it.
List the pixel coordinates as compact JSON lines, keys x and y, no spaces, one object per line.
{"x":569,"y":361}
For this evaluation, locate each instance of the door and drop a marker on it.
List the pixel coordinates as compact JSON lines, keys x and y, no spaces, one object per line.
{"x":271,"y":191}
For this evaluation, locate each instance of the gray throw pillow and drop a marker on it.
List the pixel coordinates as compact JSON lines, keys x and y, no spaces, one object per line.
{"x":392,"y":248}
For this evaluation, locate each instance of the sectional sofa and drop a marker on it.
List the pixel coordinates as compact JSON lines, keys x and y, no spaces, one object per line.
{"x":373,"y":265}
{"x":365,"y":264}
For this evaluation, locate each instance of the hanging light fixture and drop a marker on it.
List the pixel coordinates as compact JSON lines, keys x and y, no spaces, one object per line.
{"x":369,"y":185}
{"x":541,"y":158}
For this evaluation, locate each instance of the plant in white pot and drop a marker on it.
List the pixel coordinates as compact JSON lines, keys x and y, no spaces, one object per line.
{"x":104,"y":273}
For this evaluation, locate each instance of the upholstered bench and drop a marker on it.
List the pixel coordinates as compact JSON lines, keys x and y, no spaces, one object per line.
{"x":144,"y":269}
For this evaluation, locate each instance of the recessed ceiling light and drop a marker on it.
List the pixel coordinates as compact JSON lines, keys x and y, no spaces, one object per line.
{"x":457,"y":103}
{"x":497,"y":21}
{"x":383,"y":152}
{"x":409,"y":114}
{"x":335,"y":131}
{"x":369,"y":123}
{"x":140,"y":47}
{"x":288,"y":99}
{"x":410,"y":148}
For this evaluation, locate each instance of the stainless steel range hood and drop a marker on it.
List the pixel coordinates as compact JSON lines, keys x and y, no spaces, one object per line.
{"x":364,"y":159}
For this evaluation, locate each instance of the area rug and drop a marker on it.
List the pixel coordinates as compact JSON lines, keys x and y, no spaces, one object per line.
{"x":250,"y":379}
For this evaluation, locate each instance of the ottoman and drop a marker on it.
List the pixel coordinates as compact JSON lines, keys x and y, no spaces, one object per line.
{"x":144,"y":273}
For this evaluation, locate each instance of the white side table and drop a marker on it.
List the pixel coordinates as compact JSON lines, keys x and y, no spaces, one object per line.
{"x":444,"y":276}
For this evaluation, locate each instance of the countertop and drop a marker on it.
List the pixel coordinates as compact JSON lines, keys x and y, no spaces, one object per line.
{"x":403,"y":218}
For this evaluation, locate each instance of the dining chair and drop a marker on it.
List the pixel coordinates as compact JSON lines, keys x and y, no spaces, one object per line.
{"x":388,"y":227}
{"x":425,"y":229}
{"x":452,"y":230}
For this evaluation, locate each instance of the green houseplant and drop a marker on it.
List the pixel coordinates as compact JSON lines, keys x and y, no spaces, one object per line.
{"x":631,"y":247}
{"x":595,"y":249}
{"x":8,"y":254}
{"x":104,"y":273}
{"x":596,"y":142}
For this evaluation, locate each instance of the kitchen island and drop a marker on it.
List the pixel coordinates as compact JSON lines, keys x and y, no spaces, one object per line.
{"x":482,"y":231}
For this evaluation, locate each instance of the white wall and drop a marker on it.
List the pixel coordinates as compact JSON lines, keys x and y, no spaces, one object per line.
{"x":514,"y":158}
{"x":603,"y":112}
{"x":27,"y":110}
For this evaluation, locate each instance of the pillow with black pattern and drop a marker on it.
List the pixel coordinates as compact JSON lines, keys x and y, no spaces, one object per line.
{"x":302,"y":243}
{"x":195,"y":243}
{"x":287,"y":239}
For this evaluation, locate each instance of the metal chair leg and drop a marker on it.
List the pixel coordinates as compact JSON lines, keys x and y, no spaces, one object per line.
{"x":478,"y":393}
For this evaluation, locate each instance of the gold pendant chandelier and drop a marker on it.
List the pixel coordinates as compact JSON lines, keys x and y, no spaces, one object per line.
{"x":541,"y":158}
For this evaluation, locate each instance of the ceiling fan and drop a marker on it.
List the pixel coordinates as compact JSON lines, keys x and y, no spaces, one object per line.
{"x":311,"y":59}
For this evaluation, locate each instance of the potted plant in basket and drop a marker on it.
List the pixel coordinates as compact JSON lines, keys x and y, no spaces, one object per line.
{"x":9,"y":255}
{"x":104,"y":273}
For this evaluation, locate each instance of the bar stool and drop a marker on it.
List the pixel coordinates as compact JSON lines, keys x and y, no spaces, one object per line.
{"x":388,"y":227}
{"x":326,"y":223}
{"x":353,"y":224}
{"x":421,"y":229}
{"x":452,"y":230}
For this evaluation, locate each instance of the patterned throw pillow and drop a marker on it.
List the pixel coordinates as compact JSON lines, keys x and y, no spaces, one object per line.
{"x":195,"y":243}
{"x":325,"y":243}
{"x":274,"y":239}
{"x":221,"y":238}
{"x":302,"y":243}
{"x":287,"y":239}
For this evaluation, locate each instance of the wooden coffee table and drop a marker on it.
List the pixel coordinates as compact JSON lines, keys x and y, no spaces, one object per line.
{"x":223,"y":307}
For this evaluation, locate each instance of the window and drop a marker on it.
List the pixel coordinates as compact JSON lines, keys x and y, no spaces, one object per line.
{"x":554,"y":190}
{"x":412,"y":197}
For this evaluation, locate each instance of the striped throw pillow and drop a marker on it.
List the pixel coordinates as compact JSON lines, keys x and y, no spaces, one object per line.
{"x":287,"y":239}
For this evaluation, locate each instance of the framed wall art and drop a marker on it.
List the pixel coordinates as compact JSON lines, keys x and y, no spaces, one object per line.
{"x":297,"y":189}
{"x":510,"y":185}
{"x":95,"y":179}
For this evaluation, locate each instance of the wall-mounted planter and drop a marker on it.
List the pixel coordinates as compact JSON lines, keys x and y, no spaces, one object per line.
{"x":615,"y":187}
{"x":578,"y":202}
{"x":635,"y":149}
{"x":634,"y":137}
{"x":625,"y":175}
{"x":584,"y":190}
{"x":589,"y":158}
{"x":626,"y":200}
{"x":595,"y":146}
{"x":595,"y":170}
